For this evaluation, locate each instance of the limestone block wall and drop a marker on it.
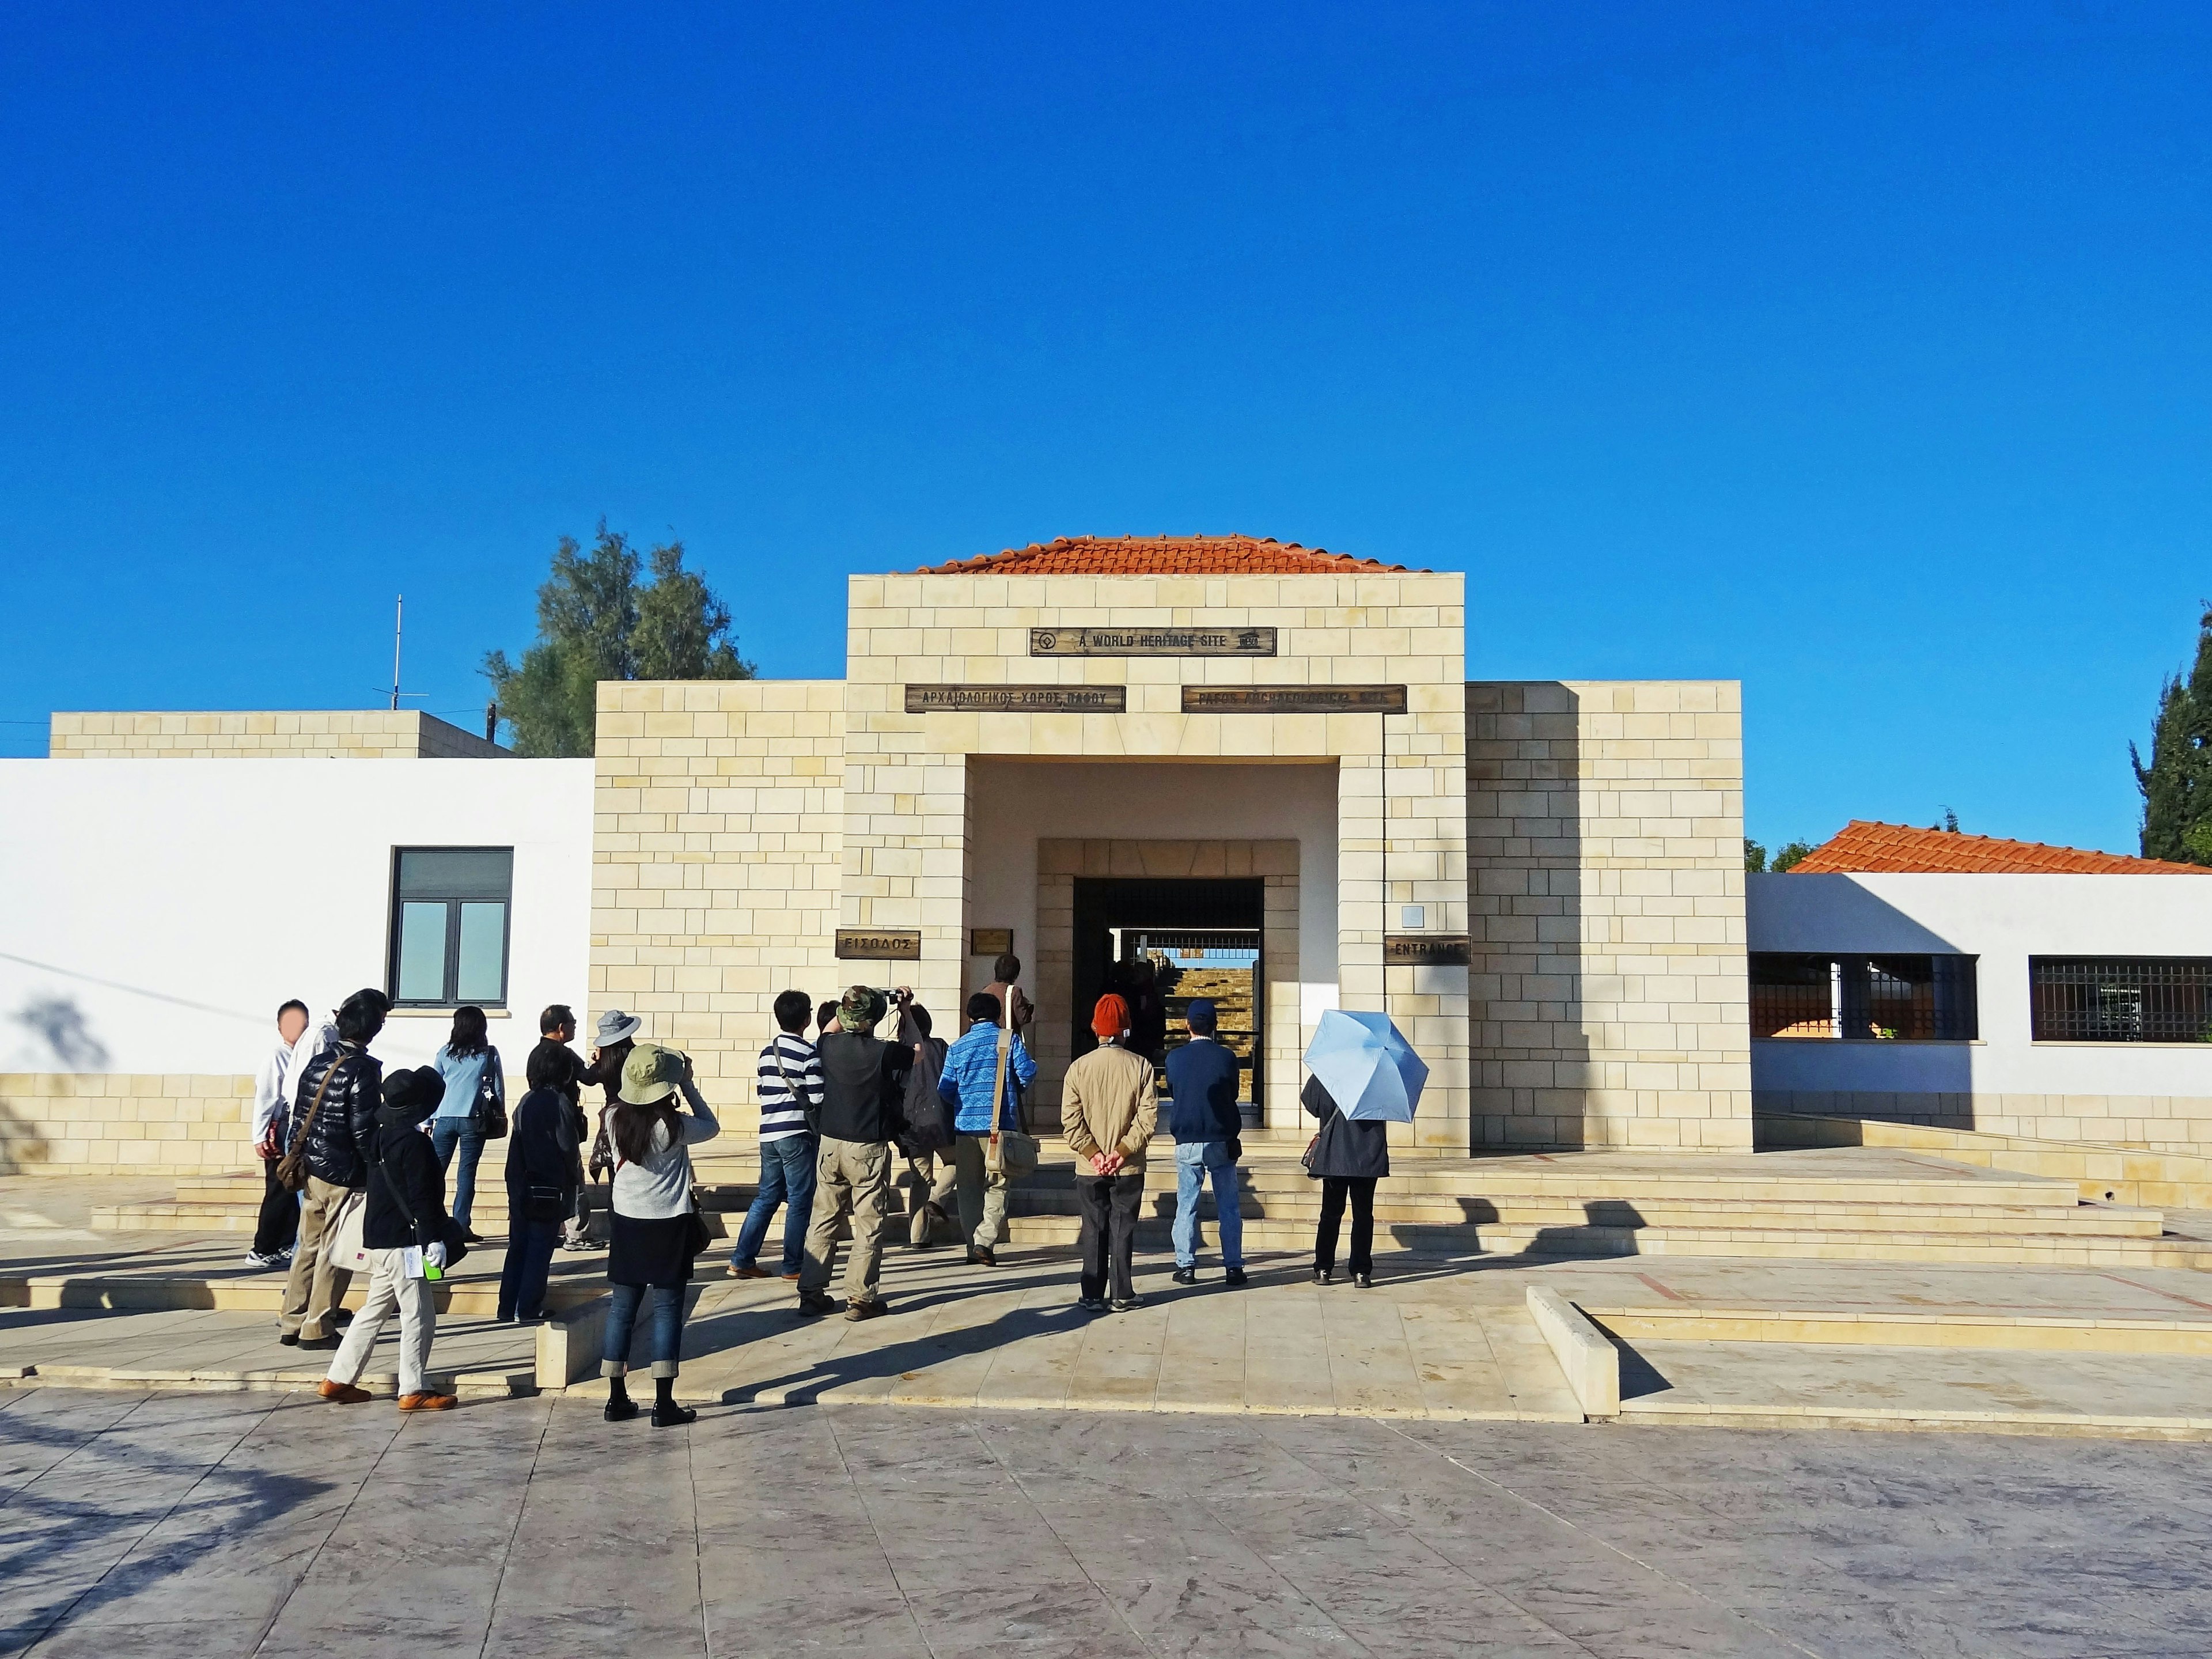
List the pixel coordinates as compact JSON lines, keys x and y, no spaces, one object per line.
{"x":717,"y":837}
{"x":2158,"y":1123}
{"x":297,"y":734}
{"x":1605,"y":824}
{"x":116,"y":1124}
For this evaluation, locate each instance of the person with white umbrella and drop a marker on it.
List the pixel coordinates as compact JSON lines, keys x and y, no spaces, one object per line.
{"x":1364,"y":1077}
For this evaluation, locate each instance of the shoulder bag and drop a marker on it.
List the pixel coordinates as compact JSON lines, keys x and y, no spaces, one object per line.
{"x":292,"y":1168}
{"x":449,"y":1231}
{"x":1010,"y":1152}
{"x":491,"y":1101}
{"x":1312,"y":1154}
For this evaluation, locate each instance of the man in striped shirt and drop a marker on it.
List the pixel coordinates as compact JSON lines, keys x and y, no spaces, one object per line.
{"x":790,"y":1100}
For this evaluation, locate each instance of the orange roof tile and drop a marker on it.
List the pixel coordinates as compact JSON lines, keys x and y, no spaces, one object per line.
{"x":1863,"y":848}
{"x":1159,"y":555}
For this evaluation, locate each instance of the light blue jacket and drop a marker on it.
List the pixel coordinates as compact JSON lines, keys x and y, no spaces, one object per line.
{"x":969,"y":1066}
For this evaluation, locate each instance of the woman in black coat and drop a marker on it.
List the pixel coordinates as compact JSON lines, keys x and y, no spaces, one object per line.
{"x":541,"y":1180}
{"x":1351,"y":1158}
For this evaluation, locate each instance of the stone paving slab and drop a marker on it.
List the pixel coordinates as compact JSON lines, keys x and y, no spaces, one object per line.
{"x":207,"y":1525}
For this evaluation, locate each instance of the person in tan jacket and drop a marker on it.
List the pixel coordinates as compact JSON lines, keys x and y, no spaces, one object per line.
{"x":1108,"y":1105}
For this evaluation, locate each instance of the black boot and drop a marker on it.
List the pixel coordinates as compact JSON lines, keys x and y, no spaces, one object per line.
{"x":620,"y":1407}
{"x":667,"y":1414}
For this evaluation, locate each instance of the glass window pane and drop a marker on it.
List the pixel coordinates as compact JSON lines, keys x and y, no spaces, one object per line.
{"x":438,"y":872}
{"x":483,"y":954}
{"x":421,"y":953}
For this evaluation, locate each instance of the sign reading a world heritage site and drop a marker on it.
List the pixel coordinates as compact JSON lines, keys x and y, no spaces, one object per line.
{"x":1152,"y":641}
{"x":879,"y":944}
{"x":1018,"y":699}
{"x":1294,"y":700}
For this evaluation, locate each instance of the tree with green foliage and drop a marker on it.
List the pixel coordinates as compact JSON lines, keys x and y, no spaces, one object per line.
{"x":1785,"y":857}
{"x":595,"y":623}
{"x":2177,"y":785}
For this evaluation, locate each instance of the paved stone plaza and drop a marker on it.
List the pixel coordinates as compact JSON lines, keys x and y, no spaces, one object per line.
{"x":188,"y":1524}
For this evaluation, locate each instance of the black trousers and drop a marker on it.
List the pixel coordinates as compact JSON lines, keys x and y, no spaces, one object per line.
{"x":1110,"y":1231}
{"x":279,"y":1224}
{"x":1333,"y":1191}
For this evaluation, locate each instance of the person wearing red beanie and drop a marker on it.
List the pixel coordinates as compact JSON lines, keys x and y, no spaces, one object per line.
{"x":1108,"y":1105}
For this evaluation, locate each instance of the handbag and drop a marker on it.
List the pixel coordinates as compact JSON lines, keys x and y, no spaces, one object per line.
{"x":1311,"y":1156}
{"x":1011,"y":1153}
{"x":292,"y":1168}
{"x":491,"y":1104}
{"x":345,"y":1249}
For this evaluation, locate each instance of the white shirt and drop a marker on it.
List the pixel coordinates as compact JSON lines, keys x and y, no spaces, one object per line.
{"x":280,"y":1072}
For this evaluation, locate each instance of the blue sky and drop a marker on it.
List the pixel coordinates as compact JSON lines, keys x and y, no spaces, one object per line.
{"x":1857,"y":352}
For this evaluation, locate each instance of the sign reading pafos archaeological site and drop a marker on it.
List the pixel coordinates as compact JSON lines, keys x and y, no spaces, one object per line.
{"x":1152,"y":641}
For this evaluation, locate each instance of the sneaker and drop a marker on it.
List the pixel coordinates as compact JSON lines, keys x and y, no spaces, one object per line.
{"x":1186,"y":1275}
{"x":1362,"y":1281}
{"x":1091,"y":1303}
{"x":813,"y":1305}
{"x":874,"y":1307}
{"x":748,"y":1271}
{"x":344,"y":1394}
{"x":1128,"y":1304}
{"x":427,"y":1401}
{"x":980,"y":1255}
{"x":262,"y":1260}
{"x":1234,"y":1276}
{"x":671,"y":1415}
{"x":1324,"y":1275}
{"x":577,"y":1244}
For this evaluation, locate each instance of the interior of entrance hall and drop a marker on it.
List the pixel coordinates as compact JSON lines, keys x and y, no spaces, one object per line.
{"x":1158,"y":943}
{"x":1065,"y":854}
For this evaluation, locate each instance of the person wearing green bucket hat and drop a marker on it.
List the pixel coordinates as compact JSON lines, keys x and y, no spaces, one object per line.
{"x":654,"y":1235}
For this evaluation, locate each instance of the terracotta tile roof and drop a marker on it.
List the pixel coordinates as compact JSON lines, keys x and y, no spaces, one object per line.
{"x":1863,"y":848}
{"x":1160,"y":555}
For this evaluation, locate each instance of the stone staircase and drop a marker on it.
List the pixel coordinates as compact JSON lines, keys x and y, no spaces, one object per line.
{"x":1857,"y":1203}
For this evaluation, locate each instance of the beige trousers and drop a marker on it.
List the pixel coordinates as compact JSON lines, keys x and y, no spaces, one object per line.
{"x":313,"y":1288}
{"x":390,"y":1290}
{"x":983,"y":1193}
{"x":852,"y":1177}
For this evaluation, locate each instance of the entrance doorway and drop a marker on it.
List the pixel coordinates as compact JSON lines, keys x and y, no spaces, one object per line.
{"x":1198,"y":937}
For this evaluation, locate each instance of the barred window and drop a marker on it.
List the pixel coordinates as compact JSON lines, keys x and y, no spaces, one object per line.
{"x":1863,"y":997}
{"x":2121,"y":999}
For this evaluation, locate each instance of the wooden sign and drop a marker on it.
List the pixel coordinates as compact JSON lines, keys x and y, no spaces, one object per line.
{"x":990,"y":941}
{"x":1425,"y":951}
{"x":1294,"y":700}
{"x":879,"y":944}
{"x":1018,"y":699}
{"x":1152,"y":641}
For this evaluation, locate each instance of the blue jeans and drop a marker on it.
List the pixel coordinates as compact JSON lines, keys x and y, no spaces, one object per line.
{"x":529,"y":1255}
{"x":621,"y":1320}
{"x":1194,"y":1161}
{"x":445,"y":1134}
{"x":786,"y":1178}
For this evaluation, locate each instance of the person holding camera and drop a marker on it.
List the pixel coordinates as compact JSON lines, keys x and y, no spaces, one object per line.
{"x":863,"y":1085}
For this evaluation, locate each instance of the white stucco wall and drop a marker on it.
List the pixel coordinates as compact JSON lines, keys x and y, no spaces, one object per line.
{"x":2003,"y":921}
{"x":174,"y":906}
{"x":1018,"y":803}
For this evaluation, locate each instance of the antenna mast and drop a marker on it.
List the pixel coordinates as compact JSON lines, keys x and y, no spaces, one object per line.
{"x":398,"y":615}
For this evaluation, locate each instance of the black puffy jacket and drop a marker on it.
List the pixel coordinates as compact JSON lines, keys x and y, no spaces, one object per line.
{"x":347,"y":1120}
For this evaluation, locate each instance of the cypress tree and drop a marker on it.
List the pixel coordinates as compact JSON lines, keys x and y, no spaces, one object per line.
{"x":2177,"y":785}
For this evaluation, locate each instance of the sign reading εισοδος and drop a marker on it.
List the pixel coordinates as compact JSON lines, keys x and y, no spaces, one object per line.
{"x":879,"y":944}
{"x":1018,"y":699}
{"x":1425,"y":951}
{"x":1152,"y":641}
{"x":1294,"y":700}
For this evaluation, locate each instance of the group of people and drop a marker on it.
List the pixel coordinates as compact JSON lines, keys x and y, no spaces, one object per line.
{"x":345,"y":1145}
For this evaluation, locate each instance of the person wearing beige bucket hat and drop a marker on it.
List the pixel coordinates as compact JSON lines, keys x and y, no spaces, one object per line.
{"x":654,"y":1235}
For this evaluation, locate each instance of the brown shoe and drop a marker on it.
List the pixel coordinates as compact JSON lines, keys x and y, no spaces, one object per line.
{"x":344,"y":1394}
{"x":427,"y":1401}
{"x":748,"y":1273}
{"x":873,"y":1307}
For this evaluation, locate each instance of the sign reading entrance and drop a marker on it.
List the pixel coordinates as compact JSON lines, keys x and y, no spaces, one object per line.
{"x":1019,"y":699}
{"x":879,"y":944}
{"x":1152,"y":641}
{"x":1294,"y":700}
{"x":1425,"y":951}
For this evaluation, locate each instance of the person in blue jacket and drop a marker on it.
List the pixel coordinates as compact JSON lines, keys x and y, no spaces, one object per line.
{"x":971,"y":1067}
{"x":1202,"y":1116}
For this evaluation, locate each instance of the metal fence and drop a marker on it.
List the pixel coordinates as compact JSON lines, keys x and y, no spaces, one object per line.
{"x":2121,"y":999}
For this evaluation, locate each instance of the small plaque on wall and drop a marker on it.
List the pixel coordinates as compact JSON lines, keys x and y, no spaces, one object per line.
{"x":879,"y":944}
{"x":1018,"y":699}
{"x":1152,"y":641}
{"x":1294,"y":700}
{"x":1425,"y":951}
{"x":990,"y":941}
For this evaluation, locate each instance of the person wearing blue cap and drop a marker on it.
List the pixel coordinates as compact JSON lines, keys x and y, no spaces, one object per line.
{"x":1202,"y":1084}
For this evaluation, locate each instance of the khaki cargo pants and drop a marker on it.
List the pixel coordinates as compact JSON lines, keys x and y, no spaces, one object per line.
{"x":852,"y":1177}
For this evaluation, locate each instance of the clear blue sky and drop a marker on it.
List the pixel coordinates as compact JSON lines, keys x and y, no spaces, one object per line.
{"x":1858,"y":352}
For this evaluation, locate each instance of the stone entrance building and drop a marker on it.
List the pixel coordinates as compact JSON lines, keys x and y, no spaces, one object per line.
{"x":1541,"y":882}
